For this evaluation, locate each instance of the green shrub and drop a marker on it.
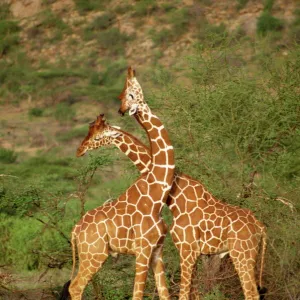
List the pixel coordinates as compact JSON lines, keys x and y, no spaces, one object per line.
{"x":266,"y":23}
{"x":122,"y":8}
{"x":8,"y":35}
{"x":162,"y":37}
{"x":4,"y":11}
{"x":35,"y":112}
{"x":215,"y":294}
{"x":113,"y":40}
{"x":294,"y":29}
{"x":241,"y":3}
{"x":51,"y":20}
{"x":7,"y":156}
{"x":72,"y":134}
{"x":17,"y":77}
{"x":268,"y":5}
{"x":64,"y":112}
{"x":102,"y":22}
{"x":144,"y":7}
{"x":84,"y":6}
{"x":53,"y":73}
{"x":180,"y":20}
{"x":212,"y":35}
{"x":112,"y":73}
{"x":167,"y":7}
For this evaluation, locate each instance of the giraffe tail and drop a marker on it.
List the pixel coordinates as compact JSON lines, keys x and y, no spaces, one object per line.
{"x":262,"y":290}
{"x":65,"y":291}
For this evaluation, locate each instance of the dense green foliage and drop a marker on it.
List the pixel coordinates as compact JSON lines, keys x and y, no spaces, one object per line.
{"x":240,"y":136}
{"x":266,"y":22}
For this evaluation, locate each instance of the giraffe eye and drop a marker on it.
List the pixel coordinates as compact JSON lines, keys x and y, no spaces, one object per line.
{"x":131,"y":96}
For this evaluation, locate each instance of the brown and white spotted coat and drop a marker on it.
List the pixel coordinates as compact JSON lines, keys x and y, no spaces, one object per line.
{"x":131,"y":224}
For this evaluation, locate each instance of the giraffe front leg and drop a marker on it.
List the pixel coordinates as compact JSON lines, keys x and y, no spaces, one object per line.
{"x":141,"y":272}
{"x":188,"y":259}
{"x":159,"y":273}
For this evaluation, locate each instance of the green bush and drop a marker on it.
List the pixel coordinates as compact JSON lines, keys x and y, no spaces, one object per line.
{"x":266,"y":23}
{"x":167,"y":7}
{"x":122,"y":8}
{"x":64,"y":112}
{"x":35,"y":112}
{"x":241,"y":3}
{"x":8,"y":35}
{"x":99,"y":23}
{"x":144,"y":7}
{"x":113,"y":40}
{"x":72,"y":134}
{"x":4,"y":11}
{"x":268,"y":5}
{"x":232,"y":123}
{"x":180,"y":20}
{"x":294,"y":29}
{"x":7,"y":156}
{"x":84,"y":6}
{"x":212,"y":36}
{"x":51,"y":20}
{"x":102,"y":22}
{"x":162,"y":37}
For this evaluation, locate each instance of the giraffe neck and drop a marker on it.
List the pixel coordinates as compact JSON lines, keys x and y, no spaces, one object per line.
{"x":162,"y":167}
{"x":135,"y":150}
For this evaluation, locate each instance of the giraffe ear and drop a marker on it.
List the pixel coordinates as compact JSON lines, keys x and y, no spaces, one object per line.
{"x":117,"y":127}
{"x":113,"y":134}
{"x":133,"y":109}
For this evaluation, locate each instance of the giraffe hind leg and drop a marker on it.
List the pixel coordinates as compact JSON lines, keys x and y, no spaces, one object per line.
{"x":87,"y":268}
{"x":244,"y":264}
{"x":194,"y":293}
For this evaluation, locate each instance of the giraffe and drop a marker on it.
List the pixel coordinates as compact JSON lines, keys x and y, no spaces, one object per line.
{"x":201,"y":223}
{"x":132,"y":223}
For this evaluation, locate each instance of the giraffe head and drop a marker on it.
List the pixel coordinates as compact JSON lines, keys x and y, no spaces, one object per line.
{"x":132,"y":98}
{"x":100,"y":134}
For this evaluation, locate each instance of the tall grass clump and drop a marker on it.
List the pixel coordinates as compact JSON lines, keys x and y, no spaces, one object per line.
{"x":268,"y":23}
{"x":144,"y":7}
{"x":7,"y":156}
{"x":4,"y":11}
{"x":113,"y":41}
{"x":8,"y":35}
{"x":99,"y":23}
{"x":294,"y":29}
{"x":85,"y":6}
{"x":64,"y":112}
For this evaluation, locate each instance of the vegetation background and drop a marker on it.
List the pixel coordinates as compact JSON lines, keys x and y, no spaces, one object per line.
{"x":224,"y":77}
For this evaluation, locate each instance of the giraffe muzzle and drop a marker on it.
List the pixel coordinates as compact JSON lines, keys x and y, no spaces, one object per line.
{"x":121,"y":112}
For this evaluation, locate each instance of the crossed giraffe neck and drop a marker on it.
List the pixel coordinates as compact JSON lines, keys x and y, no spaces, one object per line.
{"x":204,"y":225}
{"x":188,"y":199}
{"x":131,"y":224}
